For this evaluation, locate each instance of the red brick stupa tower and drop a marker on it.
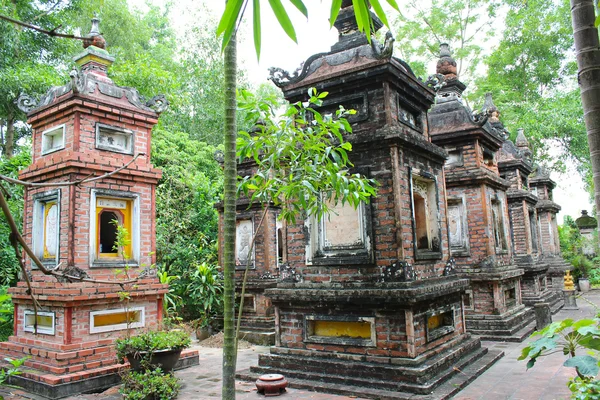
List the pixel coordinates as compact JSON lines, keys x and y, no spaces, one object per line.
{"x":480,"y":239}
{"x":89,"y":127}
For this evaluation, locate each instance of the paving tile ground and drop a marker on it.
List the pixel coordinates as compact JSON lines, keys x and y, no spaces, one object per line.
{"x":508,"y":379}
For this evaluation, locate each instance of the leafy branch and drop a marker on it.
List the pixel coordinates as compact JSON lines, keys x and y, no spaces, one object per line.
{"x":51,"y":32}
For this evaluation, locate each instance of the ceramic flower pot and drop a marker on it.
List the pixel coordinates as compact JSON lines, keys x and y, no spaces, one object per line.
{"x":163,"y":359}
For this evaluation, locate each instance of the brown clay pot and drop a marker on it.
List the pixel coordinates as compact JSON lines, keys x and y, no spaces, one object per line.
{"x":271,"y":384}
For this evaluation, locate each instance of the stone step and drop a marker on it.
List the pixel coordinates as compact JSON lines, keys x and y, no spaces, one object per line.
{"x":448,"y":382}
{"x":417,"y":376}
{"x":515,"y":337}
{"x":516,"y":328}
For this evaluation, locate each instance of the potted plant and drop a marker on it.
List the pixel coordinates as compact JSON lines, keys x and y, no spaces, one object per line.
{"x":581,"y":267}
{"x":153,"y":349}
{"x":206,"y":297}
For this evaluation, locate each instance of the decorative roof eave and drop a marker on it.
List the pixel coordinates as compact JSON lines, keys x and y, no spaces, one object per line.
{"x":519,"y":194}
{"x":374,"y":72}
{"x":92,"y":80}
{"x":541,"y":181}
{"x":518,"y":163}
{"x":87,"y":87}
{"x":548,"y":205}
{"x":395,"y":292}
{"x":475,"y":176}
{"x":462,"y":133}
{"x":416,"y":142}
{"x":586,"y":222}
{"x":71,"y":103}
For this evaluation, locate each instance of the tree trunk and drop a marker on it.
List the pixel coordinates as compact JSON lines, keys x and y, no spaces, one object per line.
{"x":229,"y":197}
{"x":588,"y":62}
{"x":9,"y":138}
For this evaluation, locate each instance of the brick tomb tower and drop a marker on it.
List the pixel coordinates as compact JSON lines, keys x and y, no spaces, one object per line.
{"x":541,"y":185}
{"x":374,"y":311}
{"x":89,"y":127}
{"x":478,"y":221}
{"x":515,"y":165}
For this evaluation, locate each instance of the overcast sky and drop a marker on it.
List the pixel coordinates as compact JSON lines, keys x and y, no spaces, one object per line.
{"x":314,"y":36}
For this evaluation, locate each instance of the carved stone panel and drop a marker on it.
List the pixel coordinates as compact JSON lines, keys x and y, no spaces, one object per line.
{"x":342,"y":228}
{"x":458,"y":226}
{"x":243,"y":239}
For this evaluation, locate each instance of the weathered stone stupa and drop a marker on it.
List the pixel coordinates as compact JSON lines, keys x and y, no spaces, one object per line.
{"x":375,"y":310}
{"x":515,"y":166}
{"x":258,"y":321}
{"x":541,"y":185}
{"x":89,"y":127}
{"x":479,"y":228}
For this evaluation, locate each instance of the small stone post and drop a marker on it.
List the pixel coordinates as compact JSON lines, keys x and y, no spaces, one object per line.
{"x":543,"y":315}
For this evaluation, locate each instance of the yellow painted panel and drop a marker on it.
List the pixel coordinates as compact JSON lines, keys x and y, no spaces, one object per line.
{"x":435,"y":321}
{"x":124,"y":209}
{"x":356,"y":329}
{"x":43,"y":321}
{"x":116,"y":318}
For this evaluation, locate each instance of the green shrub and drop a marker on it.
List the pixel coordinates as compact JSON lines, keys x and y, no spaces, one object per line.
{"x":152,"y":341}
{"x":6,"y":314}
{"x":149,"y":385}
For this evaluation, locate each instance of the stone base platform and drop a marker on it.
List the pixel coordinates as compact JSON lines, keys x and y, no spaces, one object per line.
{"x":557,"y":267}
{"x":57,"y":386}
{"x":434,"y":375}
{"x":554,"y":299}
{"x":513,"y":326}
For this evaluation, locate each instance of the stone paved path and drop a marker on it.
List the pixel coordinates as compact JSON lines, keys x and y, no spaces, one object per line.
{"x":508,"y":379}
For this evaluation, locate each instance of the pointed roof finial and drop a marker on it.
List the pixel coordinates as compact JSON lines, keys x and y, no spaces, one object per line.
{"x":446,"y":65}
{"x":490,"y":108}
{"x":523,"y":144}
{"x":521,"y":140}
{"x":94,"y":38}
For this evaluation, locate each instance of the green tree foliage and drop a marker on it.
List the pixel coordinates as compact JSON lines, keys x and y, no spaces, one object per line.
{"x":302,"y":158}
{"x":579,"y":341}
{"x":532,"y":76}
{"x":29,"y":61}
{"x":8,"y":263}
{"x":186,"y":220}
{"x":464,"y":24}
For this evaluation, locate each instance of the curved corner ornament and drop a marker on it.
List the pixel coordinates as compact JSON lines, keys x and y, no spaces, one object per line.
{"x":281,"y":77}
{"x":385,"y":50}
{"x":435,"y":82}
{"x":479,"y":117}
{"x":78,"y":81}
{"x":158,"y":103}
{"x":26,"y":103}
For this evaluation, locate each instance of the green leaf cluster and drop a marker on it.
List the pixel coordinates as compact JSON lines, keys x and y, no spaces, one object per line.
{"x":205,"y":294}
{"x":151,"y":384}
{"x":234,"y":11}
{"x":568,"y":336}
{"x":464,"y":24}
{"x":9,"y":265}
{"x":152,"y":341}
{"x":302,"y":158}
{"x":532,"y":75}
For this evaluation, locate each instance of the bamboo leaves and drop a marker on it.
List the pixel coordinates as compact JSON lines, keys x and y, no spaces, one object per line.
{"x":234,"y":11}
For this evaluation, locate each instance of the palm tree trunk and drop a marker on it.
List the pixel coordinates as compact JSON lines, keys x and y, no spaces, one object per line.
{"x":229,"y":197}
{"x":588,"y":61}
